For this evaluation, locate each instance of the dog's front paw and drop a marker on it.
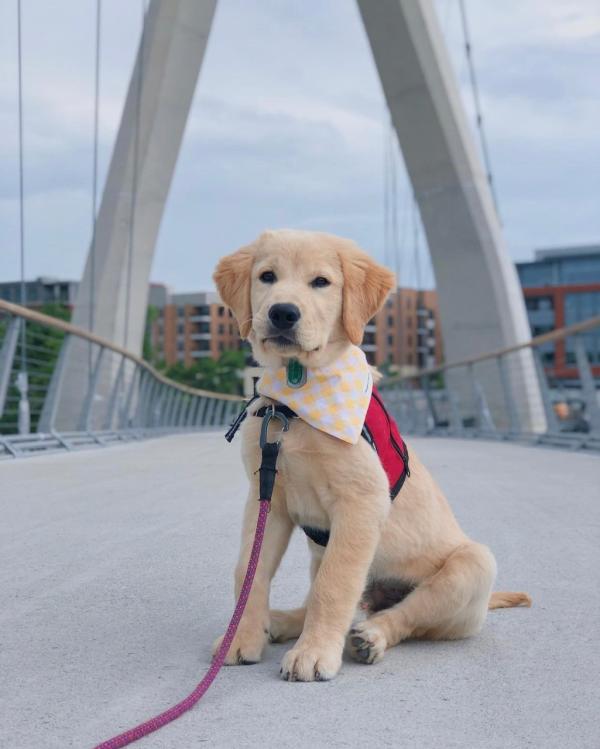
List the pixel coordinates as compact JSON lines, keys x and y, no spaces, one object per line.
{"x":366,"y":642}
{"x":309,"y":662}
{"x":247,"y":648}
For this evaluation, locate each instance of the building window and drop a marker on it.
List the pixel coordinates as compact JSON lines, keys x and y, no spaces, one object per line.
{"x":180,"y":311}
{"x":203,"y":309}
{"x":534,"y":303}
{"x":390,"y":321}
{"x":221,"y":311}
{"x":221,"y":329}
{"x":203,"y":346}
{"x":581,"y":306}
{"x":180,"y":328}
{"x":221,"y":346}
{"x":390,"y":340}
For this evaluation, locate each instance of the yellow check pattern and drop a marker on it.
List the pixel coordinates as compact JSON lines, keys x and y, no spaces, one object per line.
{"x":334,"y":399}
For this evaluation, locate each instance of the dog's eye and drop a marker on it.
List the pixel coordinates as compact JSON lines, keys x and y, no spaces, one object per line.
{"x":268,"y":277}
{"x":319,"y":282}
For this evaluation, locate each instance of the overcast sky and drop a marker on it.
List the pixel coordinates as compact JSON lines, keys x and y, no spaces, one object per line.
{"x":288,"y":128}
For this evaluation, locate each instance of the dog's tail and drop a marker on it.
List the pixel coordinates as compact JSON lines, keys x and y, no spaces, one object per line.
{"x":505,"y":600}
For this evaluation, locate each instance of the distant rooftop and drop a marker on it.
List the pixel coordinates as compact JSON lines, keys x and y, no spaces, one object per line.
{"x":555,"y":253}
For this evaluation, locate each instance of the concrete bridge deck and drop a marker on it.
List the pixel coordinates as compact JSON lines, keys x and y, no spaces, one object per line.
{"x":116,"y":572}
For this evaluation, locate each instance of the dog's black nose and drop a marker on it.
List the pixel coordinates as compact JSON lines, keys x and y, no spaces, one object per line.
{"x":284,"y":316}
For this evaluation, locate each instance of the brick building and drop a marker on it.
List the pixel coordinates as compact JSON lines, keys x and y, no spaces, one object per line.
{"x":406,"y":332}
{"x":191,"y":326}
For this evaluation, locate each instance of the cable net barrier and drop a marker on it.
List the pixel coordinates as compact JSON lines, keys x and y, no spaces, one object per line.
{"x":121,"y":396}
{"x":488,"y":396}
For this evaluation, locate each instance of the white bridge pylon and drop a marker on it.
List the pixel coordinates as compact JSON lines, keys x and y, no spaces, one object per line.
{"x":481,"y":304}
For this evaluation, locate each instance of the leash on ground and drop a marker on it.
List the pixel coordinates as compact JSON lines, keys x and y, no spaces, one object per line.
{"x":267,"y":472}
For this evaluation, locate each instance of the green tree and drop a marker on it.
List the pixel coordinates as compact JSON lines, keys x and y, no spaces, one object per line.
{"x":42,"y":346}
{"x":148,"y":352}
{"x":223,"y":375}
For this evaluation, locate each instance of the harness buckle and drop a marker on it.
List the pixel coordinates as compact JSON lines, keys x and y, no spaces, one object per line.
{"x":272,"y":414}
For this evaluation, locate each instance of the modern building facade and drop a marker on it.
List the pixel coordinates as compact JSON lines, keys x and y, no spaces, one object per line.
{"x":562,"y":287}
{"x":41,"y":291}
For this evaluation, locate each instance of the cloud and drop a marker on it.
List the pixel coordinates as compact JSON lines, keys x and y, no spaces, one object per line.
{"x":287,"y":126}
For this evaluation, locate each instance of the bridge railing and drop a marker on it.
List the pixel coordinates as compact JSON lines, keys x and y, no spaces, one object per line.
{"x":482,"y":396}
{"x":121,"y":396}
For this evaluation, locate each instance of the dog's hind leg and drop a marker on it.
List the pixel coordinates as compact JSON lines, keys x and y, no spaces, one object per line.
{"x":451,"y":604}
{"x":288,"y":625}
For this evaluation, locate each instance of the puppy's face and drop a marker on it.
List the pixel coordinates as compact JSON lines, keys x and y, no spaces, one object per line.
{"x":305,"y":295}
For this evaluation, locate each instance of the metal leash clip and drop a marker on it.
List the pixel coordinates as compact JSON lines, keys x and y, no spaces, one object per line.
{"x":272,"y":414}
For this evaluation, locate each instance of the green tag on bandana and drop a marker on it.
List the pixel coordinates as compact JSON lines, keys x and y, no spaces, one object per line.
{"x":296,"y":374}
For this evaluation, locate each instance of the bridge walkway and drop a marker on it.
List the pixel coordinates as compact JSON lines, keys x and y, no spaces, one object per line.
{"x":116,"y":570}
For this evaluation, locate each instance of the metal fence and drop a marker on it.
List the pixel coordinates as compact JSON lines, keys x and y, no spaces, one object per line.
{"x":484,"y":397}
{"x":122,"y":397}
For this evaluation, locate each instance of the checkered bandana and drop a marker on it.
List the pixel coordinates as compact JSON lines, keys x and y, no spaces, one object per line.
{"x":333,"y":399}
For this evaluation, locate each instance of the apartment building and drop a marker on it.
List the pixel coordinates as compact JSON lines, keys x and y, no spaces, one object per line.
{"x":191,"y":326}
{"x":406,"y":333}
{"x":42,"y":290}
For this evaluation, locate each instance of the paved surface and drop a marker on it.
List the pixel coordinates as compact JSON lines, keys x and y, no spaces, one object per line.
{"x":115,"y":572}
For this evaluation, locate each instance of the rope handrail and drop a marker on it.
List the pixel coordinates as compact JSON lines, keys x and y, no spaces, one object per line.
{"x":554,"y":335}
{"x":67,"y":327}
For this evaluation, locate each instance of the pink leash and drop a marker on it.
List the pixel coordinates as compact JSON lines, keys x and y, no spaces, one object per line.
{"x":133,"y":734}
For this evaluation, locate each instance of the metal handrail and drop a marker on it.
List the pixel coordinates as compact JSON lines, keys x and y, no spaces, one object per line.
{"x":555,"y":335}
{"x":66,"y":327}
{"x":488,"y":395}
{"x":62,"y":387}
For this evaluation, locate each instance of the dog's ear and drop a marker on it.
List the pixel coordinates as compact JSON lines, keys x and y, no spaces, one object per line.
{"x":232,"y":278}
{"x":366,"y":286}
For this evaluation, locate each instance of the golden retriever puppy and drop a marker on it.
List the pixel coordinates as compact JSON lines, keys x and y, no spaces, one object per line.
{"x":406,"y":562}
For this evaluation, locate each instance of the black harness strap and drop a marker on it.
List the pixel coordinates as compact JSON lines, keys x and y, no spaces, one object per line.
{"x":239,"y":420}
{"x":270,"y":451}
{"x":318,"y":535}
{"x":268,"y":470}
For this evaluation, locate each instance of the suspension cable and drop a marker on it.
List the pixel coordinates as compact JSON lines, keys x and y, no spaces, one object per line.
{"x":134,"y":178}
{"x":94,"y":206}
{"x":386,"y":192}
{"x":394,"y":200}
{"x":477,"y":103}
{"x":21,"y":197}
{"x":95,"y":164}
{"x":417,"y":242}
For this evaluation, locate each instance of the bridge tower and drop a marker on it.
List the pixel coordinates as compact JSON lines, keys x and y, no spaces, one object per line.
{"x":480,"y":299}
